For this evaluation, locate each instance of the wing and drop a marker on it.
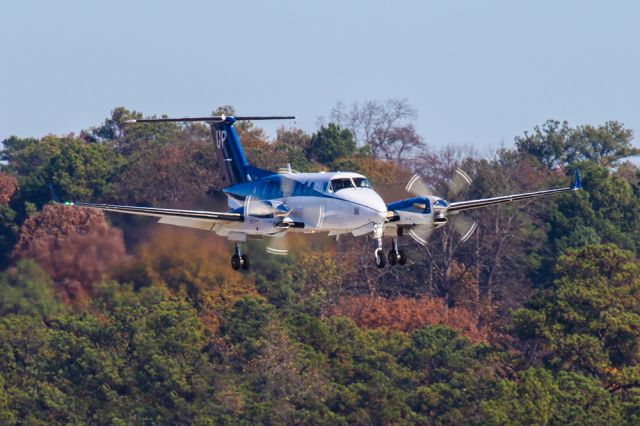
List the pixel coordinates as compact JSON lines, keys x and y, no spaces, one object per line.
{"x":483,"y":202}
{"x":200,"y":219}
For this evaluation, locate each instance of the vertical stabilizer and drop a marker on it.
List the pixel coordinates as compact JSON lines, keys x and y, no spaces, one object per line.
{"x":231,"y":159}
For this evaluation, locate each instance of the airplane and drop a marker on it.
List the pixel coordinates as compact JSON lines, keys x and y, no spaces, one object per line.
{"x":267,"y":204}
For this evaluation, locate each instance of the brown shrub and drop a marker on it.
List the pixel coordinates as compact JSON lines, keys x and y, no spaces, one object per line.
{"x":8,"y":187}
{"x":76,"y":246}
{"x":408,"y":314}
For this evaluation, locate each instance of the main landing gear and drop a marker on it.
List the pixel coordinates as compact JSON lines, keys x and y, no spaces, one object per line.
{"x":239,"y":260}
{"x":395,"y":256}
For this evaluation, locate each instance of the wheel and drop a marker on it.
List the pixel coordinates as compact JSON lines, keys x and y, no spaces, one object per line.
{"x":245,"y":261}
{"x":379,"y":258}
{"x":235,"y":262}
{"x":393,"y":257}
{"x":402,"y":257}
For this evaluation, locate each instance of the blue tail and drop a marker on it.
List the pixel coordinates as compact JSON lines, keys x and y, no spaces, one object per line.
{"x":232,"y":162}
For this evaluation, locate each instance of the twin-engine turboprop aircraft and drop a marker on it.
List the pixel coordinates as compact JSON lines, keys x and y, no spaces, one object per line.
{"x":271,"y":204}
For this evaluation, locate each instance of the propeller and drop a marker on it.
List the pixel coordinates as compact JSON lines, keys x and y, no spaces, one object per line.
{"x":312,"y":217}
{"x":460,"y":182}
{"x":418,"y":187}
{"x":278,"y":245}
{"x":420,"y":234}
{"x":463,"y":225}
{"x":253,"y":207}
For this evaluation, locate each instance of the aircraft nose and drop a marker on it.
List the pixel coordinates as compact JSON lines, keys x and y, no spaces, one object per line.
{"x":376,"y":203}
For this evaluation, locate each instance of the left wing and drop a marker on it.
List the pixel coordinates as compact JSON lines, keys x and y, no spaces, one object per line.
{"x":200,"y":219}
{"x":483,"y":202}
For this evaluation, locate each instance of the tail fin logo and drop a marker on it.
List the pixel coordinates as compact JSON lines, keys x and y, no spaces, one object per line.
{"x":220,"y":136}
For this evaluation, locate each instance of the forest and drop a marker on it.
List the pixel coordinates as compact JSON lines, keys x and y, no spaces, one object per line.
{"x":110,"y":319}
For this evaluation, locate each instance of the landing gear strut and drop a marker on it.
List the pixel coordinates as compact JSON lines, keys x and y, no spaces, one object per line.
{"x":239,"y":260}
{"x":396,"y":255}
{"x":379,"y":253}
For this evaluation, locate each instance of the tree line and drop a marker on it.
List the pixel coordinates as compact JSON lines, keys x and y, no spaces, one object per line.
{"x":533,"y":320}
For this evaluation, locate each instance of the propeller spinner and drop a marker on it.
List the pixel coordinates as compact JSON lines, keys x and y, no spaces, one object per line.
{"x":462,"y":224}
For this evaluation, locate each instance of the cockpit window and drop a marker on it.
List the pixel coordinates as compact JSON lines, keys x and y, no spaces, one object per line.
{"x":338,"y":184}
{"x":362,"y":182}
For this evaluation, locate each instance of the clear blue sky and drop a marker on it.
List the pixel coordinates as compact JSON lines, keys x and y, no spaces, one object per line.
{"x":479,"y":72}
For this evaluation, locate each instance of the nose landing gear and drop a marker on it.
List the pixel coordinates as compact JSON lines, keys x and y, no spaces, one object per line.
{"x":379,"y":253}
{"x":239,"y":260}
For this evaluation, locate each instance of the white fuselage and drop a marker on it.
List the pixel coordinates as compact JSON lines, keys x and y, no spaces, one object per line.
{"x":352,"y":208}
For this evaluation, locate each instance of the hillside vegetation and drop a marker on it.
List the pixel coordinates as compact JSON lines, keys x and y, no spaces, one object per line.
{"x":118,"y":320}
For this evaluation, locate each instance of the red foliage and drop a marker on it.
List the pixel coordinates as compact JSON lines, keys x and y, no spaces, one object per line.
{"x":407,"y":314}
{"x":76,"y":246}
{"x":8,"y":187}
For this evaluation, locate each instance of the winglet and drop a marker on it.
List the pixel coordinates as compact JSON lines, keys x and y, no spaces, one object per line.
{"x":55,"y":197}
{"x":577,"y":183}
{"x":53,"y":194}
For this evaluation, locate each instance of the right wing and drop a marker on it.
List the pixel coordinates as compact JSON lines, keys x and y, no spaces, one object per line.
{"x":200,"y":219}
{"x":459,"y":206}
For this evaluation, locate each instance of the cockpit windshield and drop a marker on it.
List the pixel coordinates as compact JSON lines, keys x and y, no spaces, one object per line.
{"x":362,"y":182}
{"x":338,"y":184}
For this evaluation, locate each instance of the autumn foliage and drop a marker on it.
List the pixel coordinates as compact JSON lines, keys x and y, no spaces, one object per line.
{"x":76,"y":246}
{"x":407,"y":314}
{"x":190,"y":263}
{"x":8,"y":187}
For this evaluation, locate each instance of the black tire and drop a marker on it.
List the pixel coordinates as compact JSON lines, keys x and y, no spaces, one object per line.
{"x":235,"y":262}
{"x":402,"y":257}
{"x":245,"y":262}
{"x":379,"y":258}
{"x":393,"y":257}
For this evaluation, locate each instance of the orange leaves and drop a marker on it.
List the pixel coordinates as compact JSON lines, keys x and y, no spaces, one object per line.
{"x":8,"y":187}
{"x":191,"y":263}
{"x":77,"y":247}
{"x":407,"y":314}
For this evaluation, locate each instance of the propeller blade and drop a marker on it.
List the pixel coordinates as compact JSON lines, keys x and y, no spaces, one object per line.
{"x":460,"y":182}
{"x":420,"y":234}
{"x":286,"y":186}
{"x":464,"y":226}
{"x":313,"y":216}
{"x":417,"y":186}
{"x":278,"y":245}
{"x":253,"y":207}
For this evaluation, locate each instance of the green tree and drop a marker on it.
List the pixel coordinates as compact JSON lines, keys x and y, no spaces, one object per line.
{"x":329,"y":143}
{"x":606,"y":211}
{"x":27,"y":290}
{"x":556,"y":144}
{"x":589,"y":321}
{"x":78,"y":169}
{"x":539,"y":398}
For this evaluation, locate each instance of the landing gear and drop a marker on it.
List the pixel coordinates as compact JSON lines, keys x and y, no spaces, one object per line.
{"x":402,"y":257}
{"x":396,"y":255}
{"x":239,"y":260}
{"x":379,"y":254}
{"x":236,"y":262}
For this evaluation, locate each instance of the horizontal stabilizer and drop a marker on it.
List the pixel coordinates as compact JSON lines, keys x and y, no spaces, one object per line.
{"x":211,"y":119}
